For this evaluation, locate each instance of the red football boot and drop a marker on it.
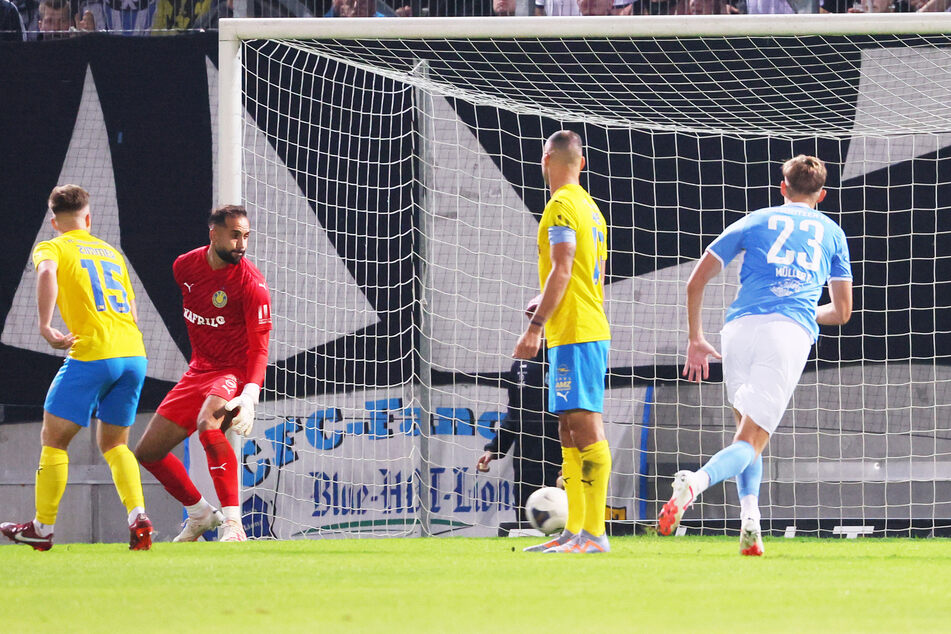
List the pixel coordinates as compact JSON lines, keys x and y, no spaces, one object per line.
{"x":26,"y":534}
{"x":140,"y":533}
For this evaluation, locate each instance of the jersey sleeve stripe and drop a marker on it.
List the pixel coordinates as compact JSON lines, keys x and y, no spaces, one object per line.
{"x":557,"y":235}
{"x":716,"y":255}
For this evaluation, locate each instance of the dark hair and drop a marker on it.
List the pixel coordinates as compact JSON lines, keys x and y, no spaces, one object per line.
{"x":565,"y":140}
{"x":804,"y":175}
{"x":219,"y":215}
{"x":68,"y":199}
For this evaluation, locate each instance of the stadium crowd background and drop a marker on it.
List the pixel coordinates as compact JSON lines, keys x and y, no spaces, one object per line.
{"x":45,"y":19}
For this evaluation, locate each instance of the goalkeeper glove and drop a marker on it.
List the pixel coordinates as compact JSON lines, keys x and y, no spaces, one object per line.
{"x":244,"y":404}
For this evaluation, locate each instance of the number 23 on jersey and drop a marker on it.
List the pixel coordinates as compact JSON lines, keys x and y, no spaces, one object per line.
{"x":779,"y":254}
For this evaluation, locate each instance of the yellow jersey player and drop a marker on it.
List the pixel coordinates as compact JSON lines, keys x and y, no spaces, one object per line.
{"x":103,"y":374}
{"x":572,"y":252}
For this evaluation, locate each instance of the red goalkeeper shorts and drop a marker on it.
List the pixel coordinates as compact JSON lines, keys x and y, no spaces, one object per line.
{"x":183,"y":403}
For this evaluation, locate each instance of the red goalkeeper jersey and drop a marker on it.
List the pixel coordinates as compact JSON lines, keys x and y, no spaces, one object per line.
{"x":228,"y":314}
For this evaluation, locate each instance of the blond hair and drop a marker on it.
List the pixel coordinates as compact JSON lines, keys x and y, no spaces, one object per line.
{"x":804,"y":176}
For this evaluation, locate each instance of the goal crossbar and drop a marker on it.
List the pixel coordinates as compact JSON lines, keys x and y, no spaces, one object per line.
{"x":590,"y":26}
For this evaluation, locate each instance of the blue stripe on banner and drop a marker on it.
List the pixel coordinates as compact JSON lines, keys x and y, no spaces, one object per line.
{"x":643,"y":465}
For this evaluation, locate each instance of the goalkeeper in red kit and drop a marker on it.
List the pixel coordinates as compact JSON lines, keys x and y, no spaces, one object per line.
{"x":227,"y":310}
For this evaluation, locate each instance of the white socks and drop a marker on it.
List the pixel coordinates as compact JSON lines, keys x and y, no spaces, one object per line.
{"x":42,"y":529}
{"x":749,"y":508}
{"x":699,"y":482}
{"x":231,"y":513}
{"x":134,"y":514}
{"x":200,"y":508}
{"x":203,"y":508}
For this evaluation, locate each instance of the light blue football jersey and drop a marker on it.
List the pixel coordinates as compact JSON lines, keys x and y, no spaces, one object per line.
{"x":791,"y":252}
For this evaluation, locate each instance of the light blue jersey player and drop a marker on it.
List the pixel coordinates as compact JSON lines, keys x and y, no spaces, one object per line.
{"x":790,"y":253}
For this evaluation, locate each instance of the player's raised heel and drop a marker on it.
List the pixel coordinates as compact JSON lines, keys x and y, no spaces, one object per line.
{"x":195,"y":527}
{"x":564,"y":538}
{"x":751,"y":539}
{"x":680,"y":501}
{"x":232,"y":531}
{"x":26,"y":534}
{"x":140,"y":533}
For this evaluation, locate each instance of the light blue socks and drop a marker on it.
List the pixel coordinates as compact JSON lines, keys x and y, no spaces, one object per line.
{"x":748,"y":480}
{"x":731,"y":461}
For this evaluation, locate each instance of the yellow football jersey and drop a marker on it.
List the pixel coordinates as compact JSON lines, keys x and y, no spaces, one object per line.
{"x":580,"y":316}
{"x":94,"y":296}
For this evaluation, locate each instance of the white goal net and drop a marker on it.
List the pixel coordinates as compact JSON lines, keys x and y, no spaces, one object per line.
{"x":391,"y":169}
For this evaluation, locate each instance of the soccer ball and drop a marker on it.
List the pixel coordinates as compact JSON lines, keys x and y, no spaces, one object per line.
{"x":547,"y":509}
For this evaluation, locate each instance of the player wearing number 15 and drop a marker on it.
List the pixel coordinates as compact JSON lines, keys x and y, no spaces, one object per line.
{"x":572,"y":251}
{"x":103,"y":373}
{"x":791,"y":251}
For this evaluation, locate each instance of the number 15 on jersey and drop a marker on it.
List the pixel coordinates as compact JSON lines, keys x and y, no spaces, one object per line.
{"x":105,"y":277}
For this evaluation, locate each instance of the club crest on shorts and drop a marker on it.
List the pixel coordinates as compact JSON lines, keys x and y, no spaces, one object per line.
{"x":563,"y":381}
{"x":219,"y":299}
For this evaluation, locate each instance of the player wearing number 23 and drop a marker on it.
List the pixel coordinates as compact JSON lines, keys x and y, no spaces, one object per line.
{"x":103,"y":373}
{"x":790,"y":252}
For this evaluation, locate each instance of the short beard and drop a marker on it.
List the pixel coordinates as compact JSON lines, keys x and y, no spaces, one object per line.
{"x":228,"y":256}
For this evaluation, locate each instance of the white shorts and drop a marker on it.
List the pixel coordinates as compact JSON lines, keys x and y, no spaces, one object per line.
{"x":763,"y":358}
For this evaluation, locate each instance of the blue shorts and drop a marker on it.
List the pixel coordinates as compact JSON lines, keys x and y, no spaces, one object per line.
{"x":109,"y":388}
{"x":576,"y":376}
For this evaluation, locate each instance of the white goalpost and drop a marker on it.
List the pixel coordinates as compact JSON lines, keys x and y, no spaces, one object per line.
{"x":390,"y":168}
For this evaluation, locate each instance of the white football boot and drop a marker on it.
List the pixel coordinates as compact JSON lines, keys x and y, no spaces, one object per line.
{"x":232,"y":531}
{"x":680,"y":501}
{"x":751,"y":538}
{"x":195,"y":527}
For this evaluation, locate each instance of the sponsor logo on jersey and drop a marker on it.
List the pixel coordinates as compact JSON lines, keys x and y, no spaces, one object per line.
{"x":219,"y":299}
{"x":785,"y":288}
{"x":198,"y":320}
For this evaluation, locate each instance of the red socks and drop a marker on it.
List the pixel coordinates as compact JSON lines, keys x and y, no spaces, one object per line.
{"x":172,"y":474}
{"x":222,"y":465}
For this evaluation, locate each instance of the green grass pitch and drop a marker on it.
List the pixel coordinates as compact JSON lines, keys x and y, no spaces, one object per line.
{"x":646,"y":584}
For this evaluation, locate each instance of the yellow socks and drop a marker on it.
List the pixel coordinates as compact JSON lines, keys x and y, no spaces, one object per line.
{"x":125,"y":473}
{"x":571,"y":474}
{"x":595,"y":473}
{"x":50,"y":483}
